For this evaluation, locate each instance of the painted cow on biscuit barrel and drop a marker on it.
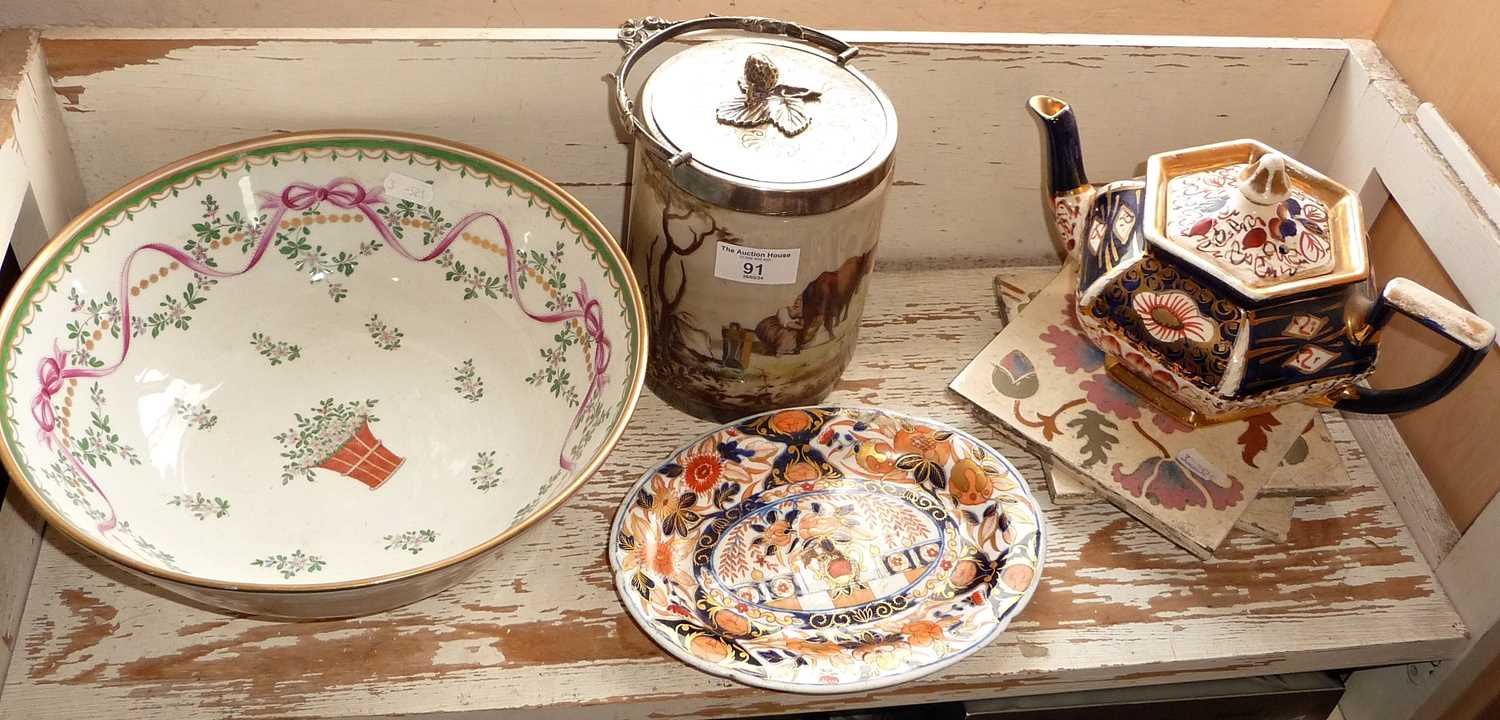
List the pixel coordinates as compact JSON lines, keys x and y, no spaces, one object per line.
{"x":824,"y":303}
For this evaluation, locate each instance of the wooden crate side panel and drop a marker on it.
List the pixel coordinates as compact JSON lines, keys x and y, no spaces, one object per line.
{"x":20,"y":540}
{"x":1378,"y":137}
{"x":16,"y":47}
{"x":1394,"y":145}
{"x":1426,"y":691}
{"x":1343,"y":18}
{"x":51,"y":169}
{"x":1435,"y":47}
{"x":967,"y":164}
{"x":1412,"y":353}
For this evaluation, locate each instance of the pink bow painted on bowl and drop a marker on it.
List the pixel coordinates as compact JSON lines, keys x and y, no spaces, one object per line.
{"x":346,"y":193}
{"x":343,"y":192}
{"x":49,"y":375}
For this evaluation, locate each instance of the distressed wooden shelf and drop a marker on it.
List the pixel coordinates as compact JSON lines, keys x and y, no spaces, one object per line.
{"x":541,"y":633}
{"x":542,"y":630}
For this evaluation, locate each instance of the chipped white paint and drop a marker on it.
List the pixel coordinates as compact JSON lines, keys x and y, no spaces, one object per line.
{"x":20,"y":538}
{"x":1269,"y":518}
{"x":1377,"y":138}
{"x":965,"y":186}
{"x":1474,"y":175}
{"x":858,"y":37}
{"x":1425,"y":691}
{"x":38,"y":192}
{"x":1117,"y":602}
{"x":51,"y":172}
{"x":1404,"y":480}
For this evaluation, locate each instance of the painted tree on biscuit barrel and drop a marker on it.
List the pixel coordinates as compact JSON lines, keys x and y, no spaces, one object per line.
{"x":686,"y":225}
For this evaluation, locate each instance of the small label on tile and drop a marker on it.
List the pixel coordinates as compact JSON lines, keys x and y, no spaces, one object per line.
{"x":401,"y":187}
{"x":755,"y":265}
{"x":1200,"y":466}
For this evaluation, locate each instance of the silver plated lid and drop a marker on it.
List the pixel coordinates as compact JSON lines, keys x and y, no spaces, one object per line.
{"x":768,"y":126}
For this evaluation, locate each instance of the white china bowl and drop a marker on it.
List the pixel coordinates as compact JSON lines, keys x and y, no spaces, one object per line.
{"x":318,"y":374}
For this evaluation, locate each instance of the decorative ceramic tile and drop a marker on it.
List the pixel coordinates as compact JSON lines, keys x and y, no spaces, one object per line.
{"x":1311,"y":468}
{"x":1015,"y":288}
{"x":1065,"y":487}
{"x":1269,"y":518}
{"x":1041,"y":377}
{"x":827,"y":549}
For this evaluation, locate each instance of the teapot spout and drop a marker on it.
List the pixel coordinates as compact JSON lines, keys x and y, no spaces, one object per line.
{"x":1069,"y":191}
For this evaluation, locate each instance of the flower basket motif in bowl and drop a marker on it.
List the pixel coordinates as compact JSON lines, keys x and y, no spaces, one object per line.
{"x":301,"y":283}
{"x":337,"y":436}
{"x":364,"y":458}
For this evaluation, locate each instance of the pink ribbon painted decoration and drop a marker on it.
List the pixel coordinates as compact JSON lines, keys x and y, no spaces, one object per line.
{"x":49,"y":377}
{"x":348,"y":194}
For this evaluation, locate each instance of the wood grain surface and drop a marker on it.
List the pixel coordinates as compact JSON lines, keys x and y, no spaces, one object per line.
{"x":968,"y":162}
{"x":41,"y":160}
{"x":1435,"y":47}
{"x":38,"y":191}
{"x":1329,"y":18}
{"x":543,"y":632}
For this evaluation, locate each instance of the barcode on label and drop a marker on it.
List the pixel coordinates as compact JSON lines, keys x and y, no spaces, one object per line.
{"x":401,"y":187}
{"x":756,"y":265}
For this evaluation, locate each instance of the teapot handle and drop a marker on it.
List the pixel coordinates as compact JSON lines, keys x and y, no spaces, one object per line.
{"x":1473,"y":335}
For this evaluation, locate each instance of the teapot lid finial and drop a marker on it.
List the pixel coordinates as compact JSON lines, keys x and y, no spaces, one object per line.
{"x":1265,"y":182}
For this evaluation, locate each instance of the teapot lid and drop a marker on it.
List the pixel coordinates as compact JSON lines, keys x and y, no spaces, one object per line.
{"x":784,"y":128}
{"x":1260,"y":221}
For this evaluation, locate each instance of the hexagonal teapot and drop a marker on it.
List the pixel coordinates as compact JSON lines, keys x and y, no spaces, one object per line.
{"x":1233,"y":279}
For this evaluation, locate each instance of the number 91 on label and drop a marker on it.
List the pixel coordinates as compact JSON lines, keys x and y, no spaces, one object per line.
{"x":757,"y":266}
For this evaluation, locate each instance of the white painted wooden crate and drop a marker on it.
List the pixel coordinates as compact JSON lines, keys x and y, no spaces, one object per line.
{"x":83,"y":111}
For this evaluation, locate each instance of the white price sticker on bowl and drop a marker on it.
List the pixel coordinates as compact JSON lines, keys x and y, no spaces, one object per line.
{"x":401,"y":187}
{"x":757,"y":266}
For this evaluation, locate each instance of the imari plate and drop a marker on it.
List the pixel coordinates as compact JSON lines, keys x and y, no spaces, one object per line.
{"x":827,"y":549}
{"x":318,"y":374}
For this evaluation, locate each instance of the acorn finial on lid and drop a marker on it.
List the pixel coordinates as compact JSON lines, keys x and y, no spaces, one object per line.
{"x":1266,"y":182}
{"x":760,"y":74}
